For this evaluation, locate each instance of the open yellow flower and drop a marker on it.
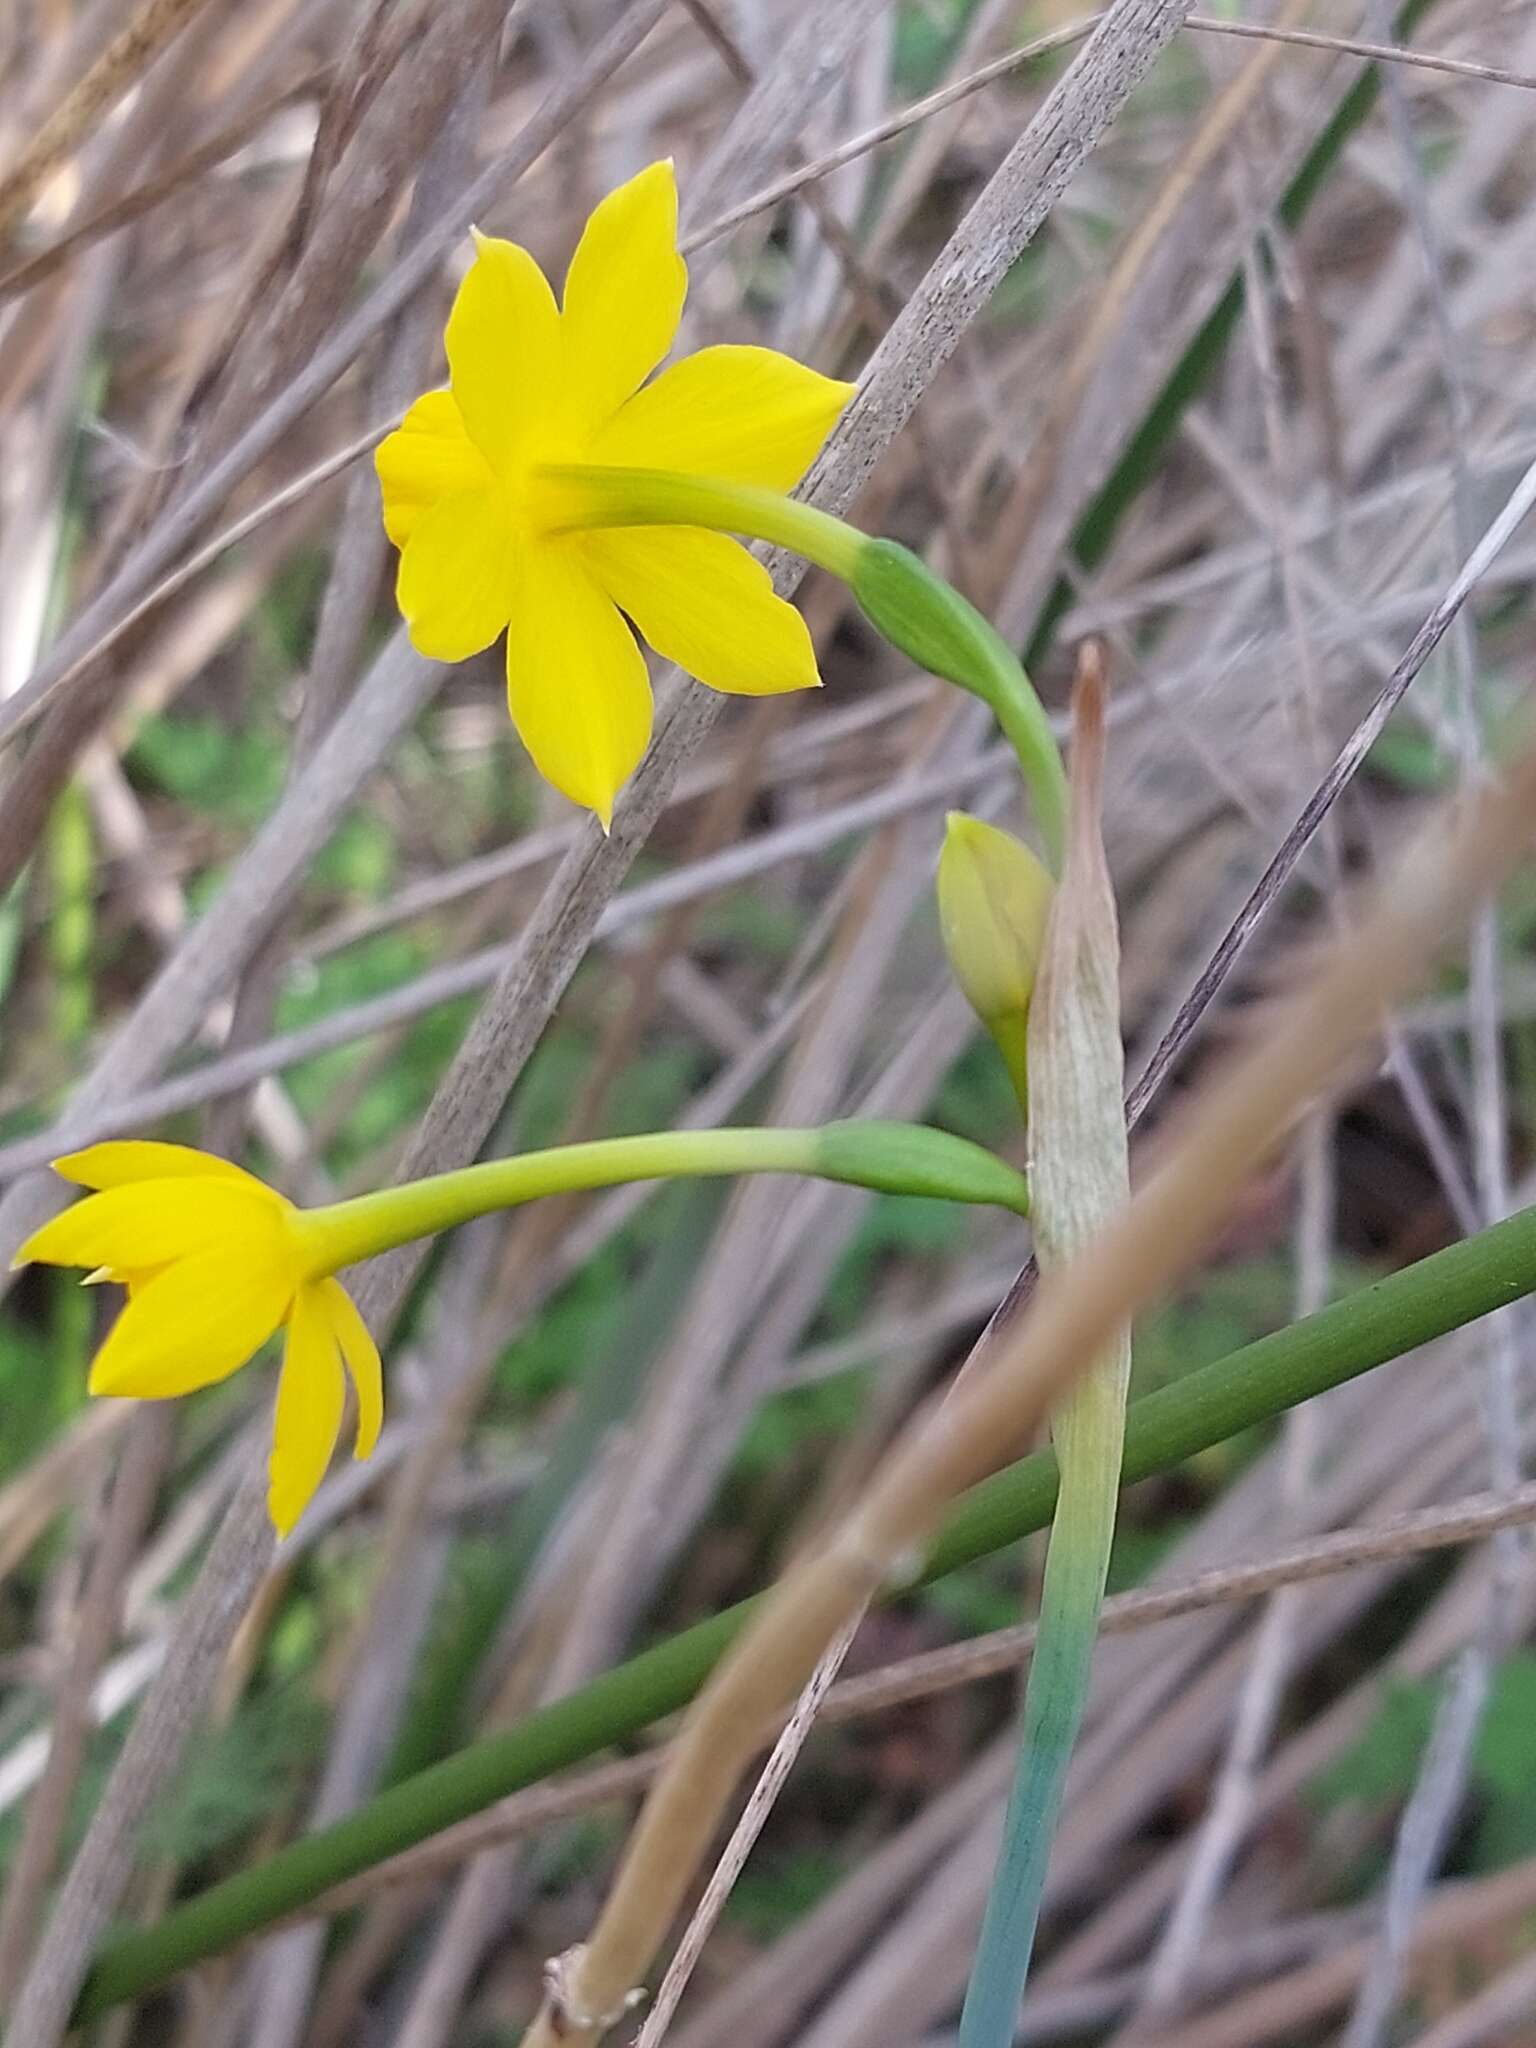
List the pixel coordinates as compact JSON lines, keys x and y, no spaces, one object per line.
{"x":485,"y":537}
{"x":214,"y":1261}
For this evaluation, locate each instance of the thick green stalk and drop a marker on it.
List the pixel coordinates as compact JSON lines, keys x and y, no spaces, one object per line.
{"x":916,"y":610}
{"x":1383,"y":1321}
{"x":1080,"y":1179}
{"x":893,"y":1158}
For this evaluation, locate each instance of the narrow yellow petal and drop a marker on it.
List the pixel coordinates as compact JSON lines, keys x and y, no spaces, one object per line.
{"x":362,"y":1360}
{"x":748,"y":415}
{"x":503,"y":342}
{"x":576,"y":682}
{"x":429,"y":456}
{"x":149,"y":1223}
{"x":456,"y":575}
{"x":705,"y":603}
{"x":122,"y":1160}
{"x":193,"y":1324}
{"x":624,"y":295}
{"x":310,"y":1393}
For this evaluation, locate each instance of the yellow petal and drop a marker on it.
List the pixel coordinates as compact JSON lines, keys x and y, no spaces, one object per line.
{"x":429,"y":456}
{"x":576,"y":682}
{"x":309,"y":1401}
{"x":362,"y":1360}
{"x":624,"y":295}
{"x":456,"y":574}
{"x":705,"y":603}
{"x":134,"y":1278}
{"x":152,"y":1222}
{"x":122,"y":1160}
{"x":748,"y":415}
{"x":503,"y":342}
{"x":195,"y":1323}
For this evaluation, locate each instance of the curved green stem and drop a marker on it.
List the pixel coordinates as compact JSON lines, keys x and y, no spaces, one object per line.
{"x":893,"y":1158}
{"x":927,"y":618}
{"x":1380,"y":1322}
{"x":916,"y":610}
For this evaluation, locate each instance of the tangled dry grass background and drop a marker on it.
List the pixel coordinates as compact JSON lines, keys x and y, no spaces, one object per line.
{"x":271,"y":883}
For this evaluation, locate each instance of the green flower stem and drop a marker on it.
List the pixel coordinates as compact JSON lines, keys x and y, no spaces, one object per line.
{"x":574,"y":496}
{"x":893,"y":1158}
{"x":1394,"y":1316}
{"x":927,"y":618}
{"x":916,"y":610}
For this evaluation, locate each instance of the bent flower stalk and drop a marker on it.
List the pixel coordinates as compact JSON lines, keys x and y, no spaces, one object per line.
{"x":553,"y":492}
{"x":215,"y":1262}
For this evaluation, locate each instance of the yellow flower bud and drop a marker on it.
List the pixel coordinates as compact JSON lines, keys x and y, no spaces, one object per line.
{"x":994,"y":897}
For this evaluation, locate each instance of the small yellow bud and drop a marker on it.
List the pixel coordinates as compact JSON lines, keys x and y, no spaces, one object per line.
{"x":994,"y":897}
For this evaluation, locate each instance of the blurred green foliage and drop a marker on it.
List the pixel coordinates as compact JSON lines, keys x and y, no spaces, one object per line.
{"x":231,"y":773}
{"x":1378,"y":1770}
{"x":773,"y":1891}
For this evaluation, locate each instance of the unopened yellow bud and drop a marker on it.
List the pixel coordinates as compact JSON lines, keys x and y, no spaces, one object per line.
{"x":994,"y":897}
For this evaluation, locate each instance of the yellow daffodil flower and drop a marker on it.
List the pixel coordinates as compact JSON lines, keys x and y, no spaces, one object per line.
{"x":214,"y":1261}
{"x":486,"y":533}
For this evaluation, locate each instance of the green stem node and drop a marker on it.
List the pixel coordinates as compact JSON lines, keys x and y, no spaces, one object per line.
{"x":928,"y":619}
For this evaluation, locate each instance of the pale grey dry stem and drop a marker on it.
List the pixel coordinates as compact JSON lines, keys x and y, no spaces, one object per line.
{"x":1470,"y":1519}
{"x":1345,"y":767}
{"x":1421,"y":1840}
{"x":183,"y":523}
{"x":1501,"y":2008}
{"x":743,"y":1838}
{"x":230,"y":1072}
{"x":209,"y":1616}
{"x":1231,"y":1806}
{"x":1221,"y":1832}
{"x":199,"y":968}
{"x":1122,"y":1925}
{"x":212,"y":952}
{"x":1440,"y":1786}
{"x":282,"y":1975}
{"x":93,"y":1627}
